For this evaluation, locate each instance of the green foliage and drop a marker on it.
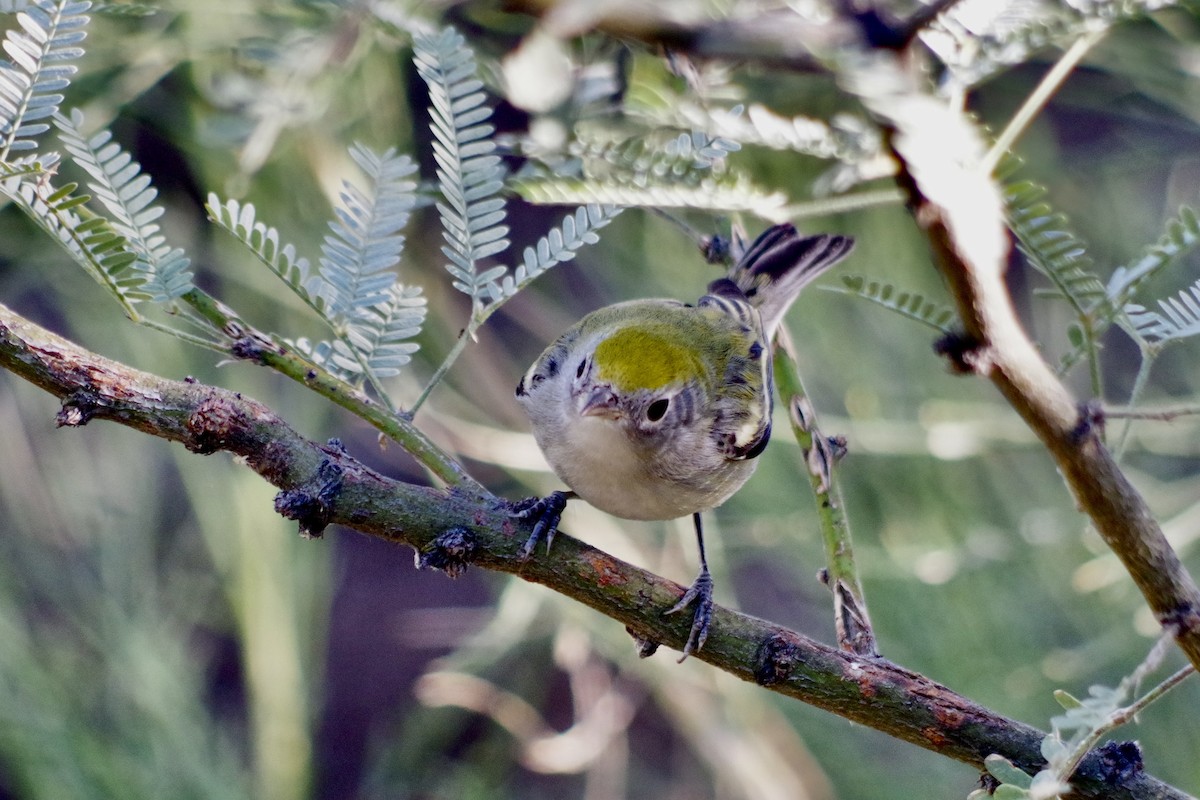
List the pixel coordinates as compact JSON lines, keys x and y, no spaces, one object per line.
{"x":1047,"y":242}
{"x":1179,"y":316}
{"x":1182,"y":234}
{"x":370,"y":311}
{"x":20,"y":169}
{"x":708,"y":105}
{"x":684,"y":170}
{"x":126,"y":255}
{"x":263,"y":241}
{"x":557,"y":247}
{"x":91,"y":243}
{"x":1085,"y":722}
{"x":470,"y":173}
{"x":126,"y":9}
{"x":1044,"y":237}
{"x":40,"y":70}
{"x":618,"y":150}
{"x":1014,"y":783}
{"x":119,"y":184}
{"x":356,"y":291}
{"x":365,"y":245}
{"x":978,"y":42}
{"x":907,"y":304}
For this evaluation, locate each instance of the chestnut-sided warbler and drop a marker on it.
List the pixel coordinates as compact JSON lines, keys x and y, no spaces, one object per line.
{"x":655,"y":409}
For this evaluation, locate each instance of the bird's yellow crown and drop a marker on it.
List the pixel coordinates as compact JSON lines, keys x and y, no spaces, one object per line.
{"x":647,"y":357}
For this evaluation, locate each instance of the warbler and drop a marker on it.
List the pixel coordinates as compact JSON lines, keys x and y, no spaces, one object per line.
{"x":656,"y":409}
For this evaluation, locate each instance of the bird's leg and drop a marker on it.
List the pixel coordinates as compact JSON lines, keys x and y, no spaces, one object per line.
{"x":546,"y":512}
{"x":701,"y":593}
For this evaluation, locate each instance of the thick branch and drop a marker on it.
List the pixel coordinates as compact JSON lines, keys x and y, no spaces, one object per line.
{"x":321,"y":484}
{"x":957,"y":205}
{"x":1071,"y":435}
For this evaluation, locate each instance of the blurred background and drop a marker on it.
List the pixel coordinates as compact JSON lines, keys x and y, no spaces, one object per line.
{"x":163,"y":633}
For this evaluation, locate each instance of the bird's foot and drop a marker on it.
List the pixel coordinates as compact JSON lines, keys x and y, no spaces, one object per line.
{"x":546,"y":512}
{"x":700,"y":593}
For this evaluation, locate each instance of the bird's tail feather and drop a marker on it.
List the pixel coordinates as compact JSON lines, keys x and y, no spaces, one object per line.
{"x":781,"y":262}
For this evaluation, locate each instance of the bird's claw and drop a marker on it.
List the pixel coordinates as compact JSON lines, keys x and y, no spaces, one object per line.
{"x":547,"y":512}
{"x":700,"y":593}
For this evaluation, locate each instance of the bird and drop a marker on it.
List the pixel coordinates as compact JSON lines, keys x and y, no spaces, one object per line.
{"x":655,"y":409}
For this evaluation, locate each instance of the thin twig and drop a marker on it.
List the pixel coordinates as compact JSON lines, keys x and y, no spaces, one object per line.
{"x":1121,"y":717}
{"x":249,"y":344}
{"x":1167,"y":414}
{"x":459,"y":345}
{"x":841,"y":204}
{"x":1041,"y":95}
{"x":851,"y":620}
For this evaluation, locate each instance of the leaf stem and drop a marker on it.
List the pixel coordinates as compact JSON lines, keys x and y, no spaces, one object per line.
{"x":850,"y":606}
{"x":1120,"y":717}
{"x":842,"y":203}
{"x":190,"y":338}
{"x":251,"y":344}
{"x":1167,"y":414}
{"x":1040,"y":96}
{"x":467,"y":333}
{"x":1148,"y":353}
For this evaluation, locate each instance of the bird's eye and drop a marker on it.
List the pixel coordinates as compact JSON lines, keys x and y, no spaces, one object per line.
{"x":658,"y":409}
{"x":580,"y":368}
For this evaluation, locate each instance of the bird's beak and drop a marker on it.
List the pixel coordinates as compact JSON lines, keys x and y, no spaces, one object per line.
{"x":599,"y":401}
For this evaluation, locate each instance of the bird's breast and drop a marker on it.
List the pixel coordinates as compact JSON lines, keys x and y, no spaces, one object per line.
{"x":597,"y":460}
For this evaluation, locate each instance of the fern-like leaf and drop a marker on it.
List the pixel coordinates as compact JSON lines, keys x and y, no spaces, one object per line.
{"x":22,"y":168}
{"x":117,"y":181}
{"x":718,"y":196}
{"x":355,"y":291}
{"x":358,"y":256}
{"x":1182,"y":234}
{"x":686,"y":171}
{"x":370,"y":312}
{"x":846,"y":138}
{"x":31,"y":84}
{"x":1178,"y":317}
{"x":263,"y":241}
{"x":559,"y":245}
{"x":908,"y":304}
{"x":376,"y":339}
{"x":92,"y":243}
{"x":685,"y":159}
{"x":1045,"y":239}
{"x":470,"y":173}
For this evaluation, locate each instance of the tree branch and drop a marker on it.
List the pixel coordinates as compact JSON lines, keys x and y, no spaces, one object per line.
{"x":320,"y":484}
{"x":956,"y":203}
